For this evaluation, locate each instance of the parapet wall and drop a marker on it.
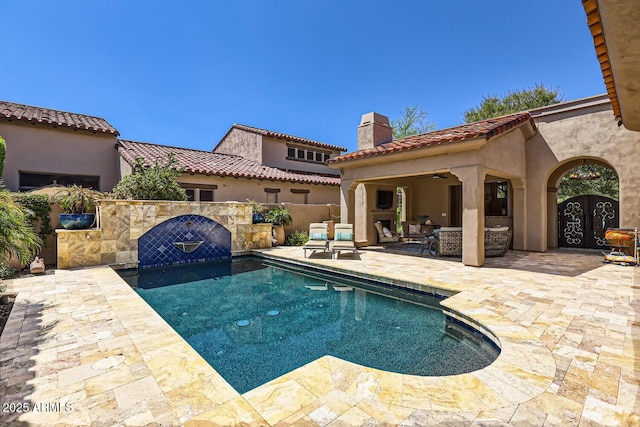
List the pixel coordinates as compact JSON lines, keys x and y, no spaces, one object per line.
{"x":121,"y":222}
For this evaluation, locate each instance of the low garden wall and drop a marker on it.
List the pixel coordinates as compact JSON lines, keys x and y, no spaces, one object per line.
{"x":121,"y":222}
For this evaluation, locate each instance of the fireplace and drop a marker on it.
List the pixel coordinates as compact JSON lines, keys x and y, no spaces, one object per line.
{"x":386,"y":223}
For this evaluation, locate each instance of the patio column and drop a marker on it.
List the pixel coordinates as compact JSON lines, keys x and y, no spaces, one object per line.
{"x":519,"y":215}
{"x":552,"y":214}
{"x":472,"y":178}
{"x":361,"y":217}
{"x":346,"y":201}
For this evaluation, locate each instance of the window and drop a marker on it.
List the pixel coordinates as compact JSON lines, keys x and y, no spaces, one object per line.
{"x":496,"y":196}
{"x":307,"y":155}
{"x":301,"y":195}
{"x":200,"y":192}
{"x":206,"y":195}
{"x":272,"y":194}
{"x":30,"y":181}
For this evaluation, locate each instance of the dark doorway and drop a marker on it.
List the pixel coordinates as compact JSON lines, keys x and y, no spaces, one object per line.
{"x":455,"y":206}
{"x":584,"y":219}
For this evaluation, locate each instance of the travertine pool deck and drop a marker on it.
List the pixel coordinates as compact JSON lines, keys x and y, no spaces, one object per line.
{"x":82,"y":348}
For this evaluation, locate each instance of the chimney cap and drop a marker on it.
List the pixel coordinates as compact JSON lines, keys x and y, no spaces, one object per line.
{"x":373,"y":117}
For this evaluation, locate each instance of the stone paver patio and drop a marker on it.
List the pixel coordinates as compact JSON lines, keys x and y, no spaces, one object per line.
{"x":81,"y":348}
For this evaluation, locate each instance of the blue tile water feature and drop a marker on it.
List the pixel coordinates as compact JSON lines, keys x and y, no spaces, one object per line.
{"x":184,"y":239}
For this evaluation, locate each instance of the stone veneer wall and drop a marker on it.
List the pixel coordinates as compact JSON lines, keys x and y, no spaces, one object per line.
{"x":122,"y":222}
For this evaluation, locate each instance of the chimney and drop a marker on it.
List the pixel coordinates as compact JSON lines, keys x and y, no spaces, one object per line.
{"x":374,"y":130}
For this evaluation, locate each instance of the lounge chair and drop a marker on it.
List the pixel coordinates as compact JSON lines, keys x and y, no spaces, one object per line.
{"x":318,"y":238}
{"x":343,"y":240}
{"x":384,"y":234}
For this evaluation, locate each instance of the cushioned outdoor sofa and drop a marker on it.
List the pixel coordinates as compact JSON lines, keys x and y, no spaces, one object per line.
{"x":496,"y":241}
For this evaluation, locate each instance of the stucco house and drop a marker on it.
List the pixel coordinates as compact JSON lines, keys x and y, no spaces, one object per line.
{"x":46,"y":146}
{"x":502,"y":171}
{"x":213,"y":176}
{"x":278,"y":150}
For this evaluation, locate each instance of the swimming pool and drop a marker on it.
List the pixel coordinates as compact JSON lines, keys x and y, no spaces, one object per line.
{"x":254,"y":322}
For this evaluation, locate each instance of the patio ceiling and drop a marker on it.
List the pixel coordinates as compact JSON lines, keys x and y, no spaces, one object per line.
{"x":616,"y":36}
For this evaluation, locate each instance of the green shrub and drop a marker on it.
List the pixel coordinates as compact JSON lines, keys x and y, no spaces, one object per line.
{"x":6,"y":272}
{"x":3,"y":153}
{"x":17,"y":236}
{"x":278,"y":216}
{"x":37,"y":207}
{"x":158,"y":182}
{"x":298,"y":238}
{"x":76,"y":199}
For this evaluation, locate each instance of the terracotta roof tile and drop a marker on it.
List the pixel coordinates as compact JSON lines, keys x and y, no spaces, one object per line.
{"x":284,"y":136}
{"x":599,"y":43}
{"x":482,"y":129}
{"x":207,"y":163}
{"x":28,"y":113}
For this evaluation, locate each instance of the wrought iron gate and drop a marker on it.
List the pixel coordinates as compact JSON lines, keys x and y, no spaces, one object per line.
{"x":584,"y":219}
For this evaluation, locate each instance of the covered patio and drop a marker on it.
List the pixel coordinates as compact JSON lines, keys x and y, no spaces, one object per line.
{"x":497,"y":172}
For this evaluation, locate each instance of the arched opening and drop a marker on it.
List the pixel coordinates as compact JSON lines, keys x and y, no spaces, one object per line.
{"x":583,"y":196}
{"x":184,"y":239}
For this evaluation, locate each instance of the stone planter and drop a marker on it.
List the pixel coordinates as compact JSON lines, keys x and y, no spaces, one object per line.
{"x":278,"y":234}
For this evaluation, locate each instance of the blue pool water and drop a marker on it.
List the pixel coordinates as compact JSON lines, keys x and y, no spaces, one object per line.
{"x":254,"y":322}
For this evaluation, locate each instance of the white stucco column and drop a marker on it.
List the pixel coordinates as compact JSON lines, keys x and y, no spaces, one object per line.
{"x":519,"y":215}
{"x":472,"y":178}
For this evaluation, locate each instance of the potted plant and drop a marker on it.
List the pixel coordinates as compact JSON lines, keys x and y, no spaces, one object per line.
{"x":279,"y":217}
{"x":78,"y":206}
{"x":258,"y":211}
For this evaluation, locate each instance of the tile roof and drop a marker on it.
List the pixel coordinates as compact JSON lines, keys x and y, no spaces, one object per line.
{"x":207,"y":163}
{"x":284,"y":136}
{"x":482,"y":129}
{"x":28,"y":113}
{"x":595,"y":27}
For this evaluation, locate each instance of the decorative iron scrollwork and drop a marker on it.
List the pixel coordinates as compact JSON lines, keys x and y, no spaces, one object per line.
{"x":603,"y":213}
{"x":573,"y":231}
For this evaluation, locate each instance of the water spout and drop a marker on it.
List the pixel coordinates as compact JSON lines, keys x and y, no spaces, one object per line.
{"x":188,"y":247}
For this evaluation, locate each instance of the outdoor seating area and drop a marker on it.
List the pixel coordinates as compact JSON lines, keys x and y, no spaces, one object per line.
{"x":449,"y":241}
{"x":319,"y":239}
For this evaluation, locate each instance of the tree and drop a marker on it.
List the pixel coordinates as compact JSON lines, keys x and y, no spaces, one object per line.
{"x":513,"y":102}
{"x":158,"y":182}
{"x":412,"y":122}
{"x":607,"y":185}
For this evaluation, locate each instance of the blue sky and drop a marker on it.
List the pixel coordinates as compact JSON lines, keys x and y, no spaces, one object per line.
{"x":181,"y":73}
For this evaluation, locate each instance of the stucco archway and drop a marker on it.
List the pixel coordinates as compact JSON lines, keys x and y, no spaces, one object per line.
{"x":553,"y":182}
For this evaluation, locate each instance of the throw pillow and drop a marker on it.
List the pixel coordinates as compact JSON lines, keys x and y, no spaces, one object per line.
{"x":343,"y":236}
{"x":386,"y":232}
{"x":318,"y":236}
{"x":414,"y":229}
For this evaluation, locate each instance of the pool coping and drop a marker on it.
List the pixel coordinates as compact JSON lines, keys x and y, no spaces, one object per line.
{"x":181,"y":388}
